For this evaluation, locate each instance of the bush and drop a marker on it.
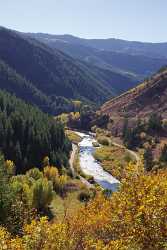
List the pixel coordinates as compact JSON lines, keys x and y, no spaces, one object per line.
{"x":42,"y":194}
{"x":128,"y":157}
{"x":84,"y":196}
{"x":90,"y":179}
{"x":103,"y":140}
{"x":34,"y":173}
{"x":95,"y":144}
{"x":51,"y":173}
{"x":60,"y":185}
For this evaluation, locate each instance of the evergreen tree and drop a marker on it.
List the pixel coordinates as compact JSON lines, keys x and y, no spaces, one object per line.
{"x":163,"y":156}
{"x":155,"y":123}
{"x":5,"y":198}
{"x":28,"y":135}
{"x":148,"y":159}
{"x":125,"y":128}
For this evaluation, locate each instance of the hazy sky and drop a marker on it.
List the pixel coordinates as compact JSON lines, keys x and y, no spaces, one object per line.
{"x":142,"y":20}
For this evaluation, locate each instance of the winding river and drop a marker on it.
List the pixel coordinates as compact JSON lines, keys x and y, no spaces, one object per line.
{"x":91,"y":167}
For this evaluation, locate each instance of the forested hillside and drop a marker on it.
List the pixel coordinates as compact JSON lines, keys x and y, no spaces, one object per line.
{"x":131,"y":59}
{"x":14,"y":83}
{"x":112,"y":44}
{"x":28,"y":135}
{"x":52,"y":72}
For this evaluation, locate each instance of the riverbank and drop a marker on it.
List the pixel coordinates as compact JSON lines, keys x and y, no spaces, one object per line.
{"x":91,"y":167}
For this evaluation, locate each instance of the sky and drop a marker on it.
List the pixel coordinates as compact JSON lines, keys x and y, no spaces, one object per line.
{"x":135,"y":20}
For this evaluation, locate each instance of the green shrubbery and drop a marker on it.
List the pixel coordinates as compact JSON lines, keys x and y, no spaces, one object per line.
{"x":103,"y":140}
{"x":24,"y":196}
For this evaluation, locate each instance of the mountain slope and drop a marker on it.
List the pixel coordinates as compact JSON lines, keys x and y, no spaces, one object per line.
{"x":141,"y":101}
{"x":14,"y":83}
{"x":112,"y":44}
{"x":28,"y":135}
{"x":138,"y":59}
{"x":116,"y":79}
{"x":53,"y":73}
{"x":130,"y":47}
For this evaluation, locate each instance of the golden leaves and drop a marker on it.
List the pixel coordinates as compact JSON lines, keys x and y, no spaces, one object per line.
{"x":134,"y":218}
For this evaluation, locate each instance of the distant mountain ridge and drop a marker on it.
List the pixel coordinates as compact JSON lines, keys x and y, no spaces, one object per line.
{"x":53,"y":77}
{"x":135,"y":59}
{"x":52,"y":74}
{"x":111,"y":44}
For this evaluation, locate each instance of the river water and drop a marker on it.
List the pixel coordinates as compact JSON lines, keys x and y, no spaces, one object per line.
{"x":91,"y":167}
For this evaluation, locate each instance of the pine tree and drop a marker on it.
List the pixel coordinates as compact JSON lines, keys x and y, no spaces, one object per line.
{"x":5,"y":192}
{"x":163,"y":156}
{"x":155,"y":123}
{"x":148,"y":159}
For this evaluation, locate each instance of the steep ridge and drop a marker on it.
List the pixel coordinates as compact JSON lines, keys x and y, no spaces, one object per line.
{"x":117,"y":79}
{"x":141,"y":101}
{"x":16,"y":84}
{"x":133,"y":59}
{"x":110,"y":44}
{"x":52,"y":72}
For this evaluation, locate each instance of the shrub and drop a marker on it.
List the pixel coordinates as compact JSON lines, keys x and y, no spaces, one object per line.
{"x":128,"y":157}
{"x":42,"y":192}
{"x":60,"y":185}
{"x":84,"y":196}
{"x":90,"y":179}
{"x":51,"y":173}
{"x":103,"y":140}
{"x":34,"y":173}
{"x":95,"y":144}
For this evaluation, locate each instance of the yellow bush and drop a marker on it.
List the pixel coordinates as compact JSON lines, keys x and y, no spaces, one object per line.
{"x":51,"y":173}
{"x":134,"y":218}
{"x":59,"y":181}
{"x":10,"y":167}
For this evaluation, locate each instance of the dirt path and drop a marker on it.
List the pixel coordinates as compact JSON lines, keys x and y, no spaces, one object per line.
{"x":72,"y":158}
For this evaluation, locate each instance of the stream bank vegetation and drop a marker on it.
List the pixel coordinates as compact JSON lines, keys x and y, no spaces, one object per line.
{"x":78,"y":171}
{"x":146,"y":136}
{"x":134,"y":217}
{"x":114,"y":160}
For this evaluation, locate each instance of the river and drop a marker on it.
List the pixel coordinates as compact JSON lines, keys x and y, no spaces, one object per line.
{"x":91,"y":167}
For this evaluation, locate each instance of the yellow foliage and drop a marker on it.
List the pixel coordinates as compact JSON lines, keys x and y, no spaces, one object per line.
{"x":134,"y":218}
{"x":51,"y":173}
{"x":59,"y":181}
{"x":10,"y":167}
{"x":73,"y":137}
{"x":117,"y":161}
{"x":46,"y":161}
{"x":9,"y":243}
